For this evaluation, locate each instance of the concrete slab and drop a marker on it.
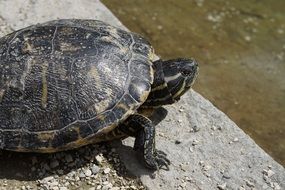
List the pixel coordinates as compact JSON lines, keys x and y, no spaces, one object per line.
{"x":207,"y":150}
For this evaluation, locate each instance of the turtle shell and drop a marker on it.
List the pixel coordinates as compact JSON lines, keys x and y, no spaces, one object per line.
{"x":65,"y":83}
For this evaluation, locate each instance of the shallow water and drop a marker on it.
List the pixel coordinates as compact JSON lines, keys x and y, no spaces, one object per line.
{"x":240,"y":46}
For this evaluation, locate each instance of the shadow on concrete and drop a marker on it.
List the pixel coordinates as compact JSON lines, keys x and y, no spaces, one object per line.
{"x":36,"y":166}
{"x":134,"y":161}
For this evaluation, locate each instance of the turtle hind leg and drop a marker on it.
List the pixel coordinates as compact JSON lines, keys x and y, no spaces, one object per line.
{"x":145,"y":142}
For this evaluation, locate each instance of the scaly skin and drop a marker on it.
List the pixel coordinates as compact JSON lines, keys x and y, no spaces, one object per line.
{"x":143,"y":130}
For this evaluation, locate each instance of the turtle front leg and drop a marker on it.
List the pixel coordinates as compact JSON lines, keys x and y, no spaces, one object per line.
{"x":143,"y":130}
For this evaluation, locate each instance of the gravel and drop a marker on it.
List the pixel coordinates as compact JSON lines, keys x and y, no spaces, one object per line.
{"x":53,"y":171}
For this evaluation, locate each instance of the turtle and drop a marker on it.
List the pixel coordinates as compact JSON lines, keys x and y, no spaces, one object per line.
{"x":72,"y":82}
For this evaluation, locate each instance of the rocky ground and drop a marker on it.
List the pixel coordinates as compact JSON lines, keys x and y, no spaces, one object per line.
{"x":207,"y":150}
{"x":90,"y":167}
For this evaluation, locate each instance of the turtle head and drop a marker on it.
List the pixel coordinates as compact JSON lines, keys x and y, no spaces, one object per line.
{"x":179,"y":75}
{"x":172,"y":78}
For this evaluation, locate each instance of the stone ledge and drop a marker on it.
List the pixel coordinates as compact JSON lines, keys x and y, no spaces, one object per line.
{"x":207,"y":151}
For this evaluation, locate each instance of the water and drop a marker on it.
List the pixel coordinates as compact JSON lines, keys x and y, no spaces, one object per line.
{"x":240,"y":46}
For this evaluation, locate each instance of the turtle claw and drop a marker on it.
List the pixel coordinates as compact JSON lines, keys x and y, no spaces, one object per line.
{"x":145,"y":142}
{"x":162,"y":160}
{"x":157,"y":160}
{"x":161,"y":153}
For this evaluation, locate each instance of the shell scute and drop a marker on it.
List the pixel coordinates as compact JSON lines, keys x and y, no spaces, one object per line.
{"x":34,"y":140}
{"x":31,"y":42}
{"x":69,"y":81}
{"x":66,"y":135}
{"x":11,"y":138}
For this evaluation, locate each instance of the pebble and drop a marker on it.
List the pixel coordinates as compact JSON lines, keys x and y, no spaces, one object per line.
{"x":99,"y":158}
{"x":195,"y":128}
{"x":54,"y":164}
{"x":33,"y":169}
{"x":68,"y":158}
{"x":53,"y":184}
{"x":178,"y":142}
{"x":81,"y":175}
{"x":214,"y":128}
{"x":249,"y":183}
{"x":276,"y":186}
{"x":107,"y":170}
{"x":87,"y":172}
{"x":247,"y":38}
{"x":95,"y":169}
{"x":241,"y":188}
{"x":46,"y":166}
{"x":77,"y":177}
{"x":107,"y":186}
{"x":195,"y":142}
{"x":268,"y":173}
{"x":207,"y":174}
{"x":226,"y":175}
{"x":183,"y":185}
{"x":34,"y":160}
{"x":280,"y":31}
{"x":235,"y":140}
{"x":60,"y":172}
{"x":199,"y":3}
{"x":47,"y":179}
{"x":222,"y":186}
{"x":207,"y":167}
{"x":159,"y":27}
